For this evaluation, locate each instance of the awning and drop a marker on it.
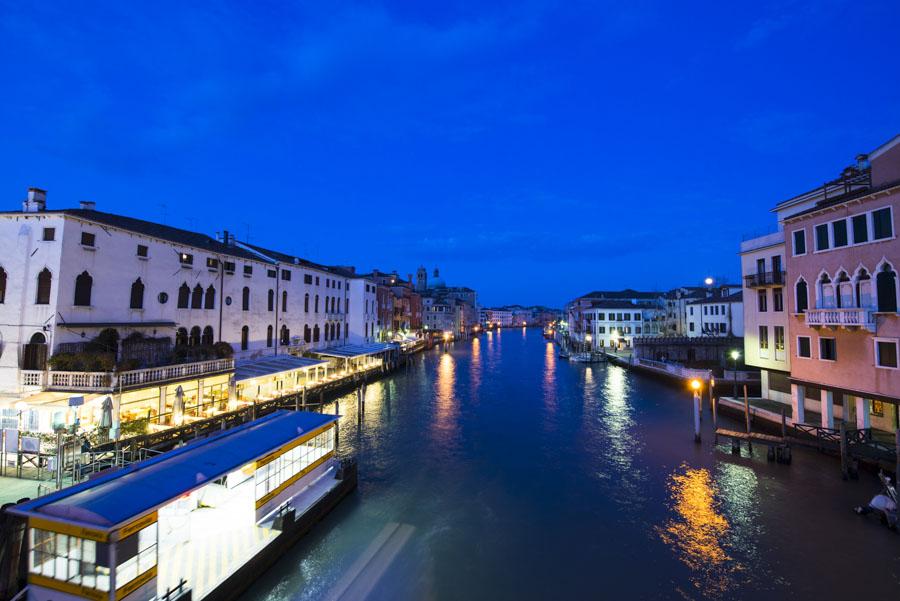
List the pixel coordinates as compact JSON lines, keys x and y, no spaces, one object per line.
{"x":268,"y":366}
{"x":49,"y":399}
{"x":352,"y":351}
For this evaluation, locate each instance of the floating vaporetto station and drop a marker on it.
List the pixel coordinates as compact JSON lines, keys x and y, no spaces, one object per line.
{"x":202,"y":520}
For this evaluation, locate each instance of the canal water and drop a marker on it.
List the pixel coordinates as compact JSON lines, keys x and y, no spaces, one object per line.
{"x":493,"y":470}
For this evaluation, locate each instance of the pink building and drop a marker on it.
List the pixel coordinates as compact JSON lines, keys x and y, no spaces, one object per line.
{"x":842,"y":257}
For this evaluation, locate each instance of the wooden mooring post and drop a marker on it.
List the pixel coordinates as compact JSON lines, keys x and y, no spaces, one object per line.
{"x":747,"y":418}
{"x":697,"y":396}
{"x":845,"y":459}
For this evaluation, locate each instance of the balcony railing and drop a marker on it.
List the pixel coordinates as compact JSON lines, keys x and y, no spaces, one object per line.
{"x":761,"y":280}
{"x":112,"y":381}
{"x":847,"y":318}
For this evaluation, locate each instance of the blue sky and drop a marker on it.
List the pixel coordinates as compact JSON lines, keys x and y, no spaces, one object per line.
{"x":532,"y":150}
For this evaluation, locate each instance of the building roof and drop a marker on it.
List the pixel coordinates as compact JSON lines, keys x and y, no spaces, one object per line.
{"x":150,"y":229}
{"x":294,"y":260}
{"x":614,"y":304}
{"x":351,"y":351}
{"x":628,"y":293}
{"x":719,"y":298}
{"x":122,"y":495}
{"x":276,"y":364}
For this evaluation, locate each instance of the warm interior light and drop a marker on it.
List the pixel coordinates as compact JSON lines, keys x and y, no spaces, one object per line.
{"x":695,"y":384}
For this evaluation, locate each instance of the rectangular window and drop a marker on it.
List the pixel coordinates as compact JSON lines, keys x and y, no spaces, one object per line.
{"x":803,"y":347}
{"x":799,"y":242}
{"x":822,"y":236}
{"x":827,"y":349}
{"x":142,"y":250}
{"x":691,"y":326}
{"x":779,"y":338}
{"x":601,"y":316}
{"x":186,"y":259}
{"x":601,"y":329}
{"x":762,"y":301}
{"x":882,"y":226}
{"x":777,"y":300}
{"x":286,"y":275}
{"x":248,"y":269}
{"x":839,"y":233}
{"x":763,"y":338}
{"x":307,"y":279}
{"x":212,"y":263}
{"x":229,"y":267}
{"x":271,"y":273}
{"x":860,"y":228}
{"x":87,"y":239}
{"x":49,"y":234}
{"x":886,"y":353}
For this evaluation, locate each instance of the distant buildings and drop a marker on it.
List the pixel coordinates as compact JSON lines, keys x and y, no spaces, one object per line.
{"x":720,"y":314}
{"x":822,"y":291}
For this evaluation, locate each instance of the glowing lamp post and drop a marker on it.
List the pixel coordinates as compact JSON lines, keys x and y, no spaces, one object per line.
{"x":696,"y":387}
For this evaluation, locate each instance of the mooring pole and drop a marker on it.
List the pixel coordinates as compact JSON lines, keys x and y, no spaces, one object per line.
{"x":845,"y":467}
{"x":897,"y":446}
{"x":747,"y":418}
{"x":697,"y":394}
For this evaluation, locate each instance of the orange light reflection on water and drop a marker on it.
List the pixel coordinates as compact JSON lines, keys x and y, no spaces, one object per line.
{"x":697,"y":530}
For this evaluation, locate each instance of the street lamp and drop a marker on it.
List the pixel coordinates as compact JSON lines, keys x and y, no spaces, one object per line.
{"x":735,"y":355}
{"x":696,"y":385}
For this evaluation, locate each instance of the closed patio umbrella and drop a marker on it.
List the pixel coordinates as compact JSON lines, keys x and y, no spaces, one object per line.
{"x":106,"y":413}
{"x":178,"y":407}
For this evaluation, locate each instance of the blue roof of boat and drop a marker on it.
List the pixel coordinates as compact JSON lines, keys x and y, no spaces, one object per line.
{"x":122,"y":495}
{"x":351,"y":351}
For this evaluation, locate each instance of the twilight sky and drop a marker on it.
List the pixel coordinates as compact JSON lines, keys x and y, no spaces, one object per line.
{"x":532,"y":150}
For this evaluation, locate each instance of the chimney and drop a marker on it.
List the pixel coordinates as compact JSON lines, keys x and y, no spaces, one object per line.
{"x":225,"y":237}
{"x":862,"y":162}
{"x":36,"y":201}
{"x":88,"y":205}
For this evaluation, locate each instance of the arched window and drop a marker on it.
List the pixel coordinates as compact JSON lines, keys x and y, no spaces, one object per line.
{"x":825,"y":292}
{"x":326,"y":332}
{"x":863,"y":289}
{"x":325,"y":308}
{"x":245,"y":299}
{"x":43,"y":287}
{"x":83,"y":284}
{"x":332,"y":304}
{"x":38,"y":338}
{"x":307,"y":333}
{"x":245,"y":338}
{"x":844,"y":290}
{"x":207,"y":337}
{"x":184,"y":296}
{"x":886,"y":288}
{"x":269,"y":334}
{"x":346,"y":330}
{"x":316,"y":333}
{"x":195,"y":336}
{"x":306,"y":303}
{"x":137,"y":294}
{"x":181,"y":337}
{"x":271,"y":300}
{"x":802,"y":296}
{"x":2,"y":285}
{"x":334,"y":331}
{"x":284,"y":301}
{"x":285,"y":335}
{"x":210,"y":298}
{"x":197,"y":297}
{"x":316,"y":308}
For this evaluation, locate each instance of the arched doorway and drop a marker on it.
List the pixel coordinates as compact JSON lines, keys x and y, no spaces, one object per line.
{"x":34,"y":355}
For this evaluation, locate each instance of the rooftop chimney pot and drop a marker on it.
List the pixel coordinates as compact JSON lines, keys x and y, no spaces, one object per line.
{"x":36,"y":201}
{"x":88,"y":205}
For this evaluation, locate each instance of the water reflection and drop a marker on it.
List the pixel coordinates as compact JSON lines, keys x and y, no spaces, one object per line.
{"x":445,"y":403}
{"x":549,"y":375}
{"x":697,"y":530}
{"x":475,"y":367}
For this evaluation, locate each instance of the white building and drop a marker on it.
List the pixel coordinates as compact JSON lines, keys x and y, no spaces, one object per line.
{"x":362,"y":315}
{"x":612,"y":324}
{"x":501,"y":317}
{"x":721,"y":315}
{"x":67,"y":274}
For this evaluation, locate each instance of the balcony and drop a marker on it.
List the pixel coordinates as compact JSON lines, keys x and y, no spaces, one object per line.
{"x":764,"y":280}
{"x":841,"y":318}
{"x":88,"y":381}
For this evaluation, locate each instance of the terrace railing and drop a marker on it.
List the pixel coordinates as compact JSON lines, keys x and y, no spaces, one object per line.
{"x":110,"y":381}
{"x":847,"y":318}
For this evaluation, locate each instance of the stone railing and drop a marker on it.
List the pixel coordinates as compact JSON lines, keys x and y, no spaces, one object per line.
{"x":136,"y":378}
{"x":850,"y":317}
{"x":679,"y":371}
{"x":32,"y":378}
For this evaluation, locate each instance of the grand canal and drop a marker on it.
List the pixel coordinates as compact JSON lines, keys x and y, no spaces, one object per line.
{"x":497,"y":471}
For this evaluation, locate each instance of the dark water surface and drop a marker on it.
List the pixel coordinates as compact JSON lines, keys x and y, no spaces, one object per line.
{"x":515,"y":475}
